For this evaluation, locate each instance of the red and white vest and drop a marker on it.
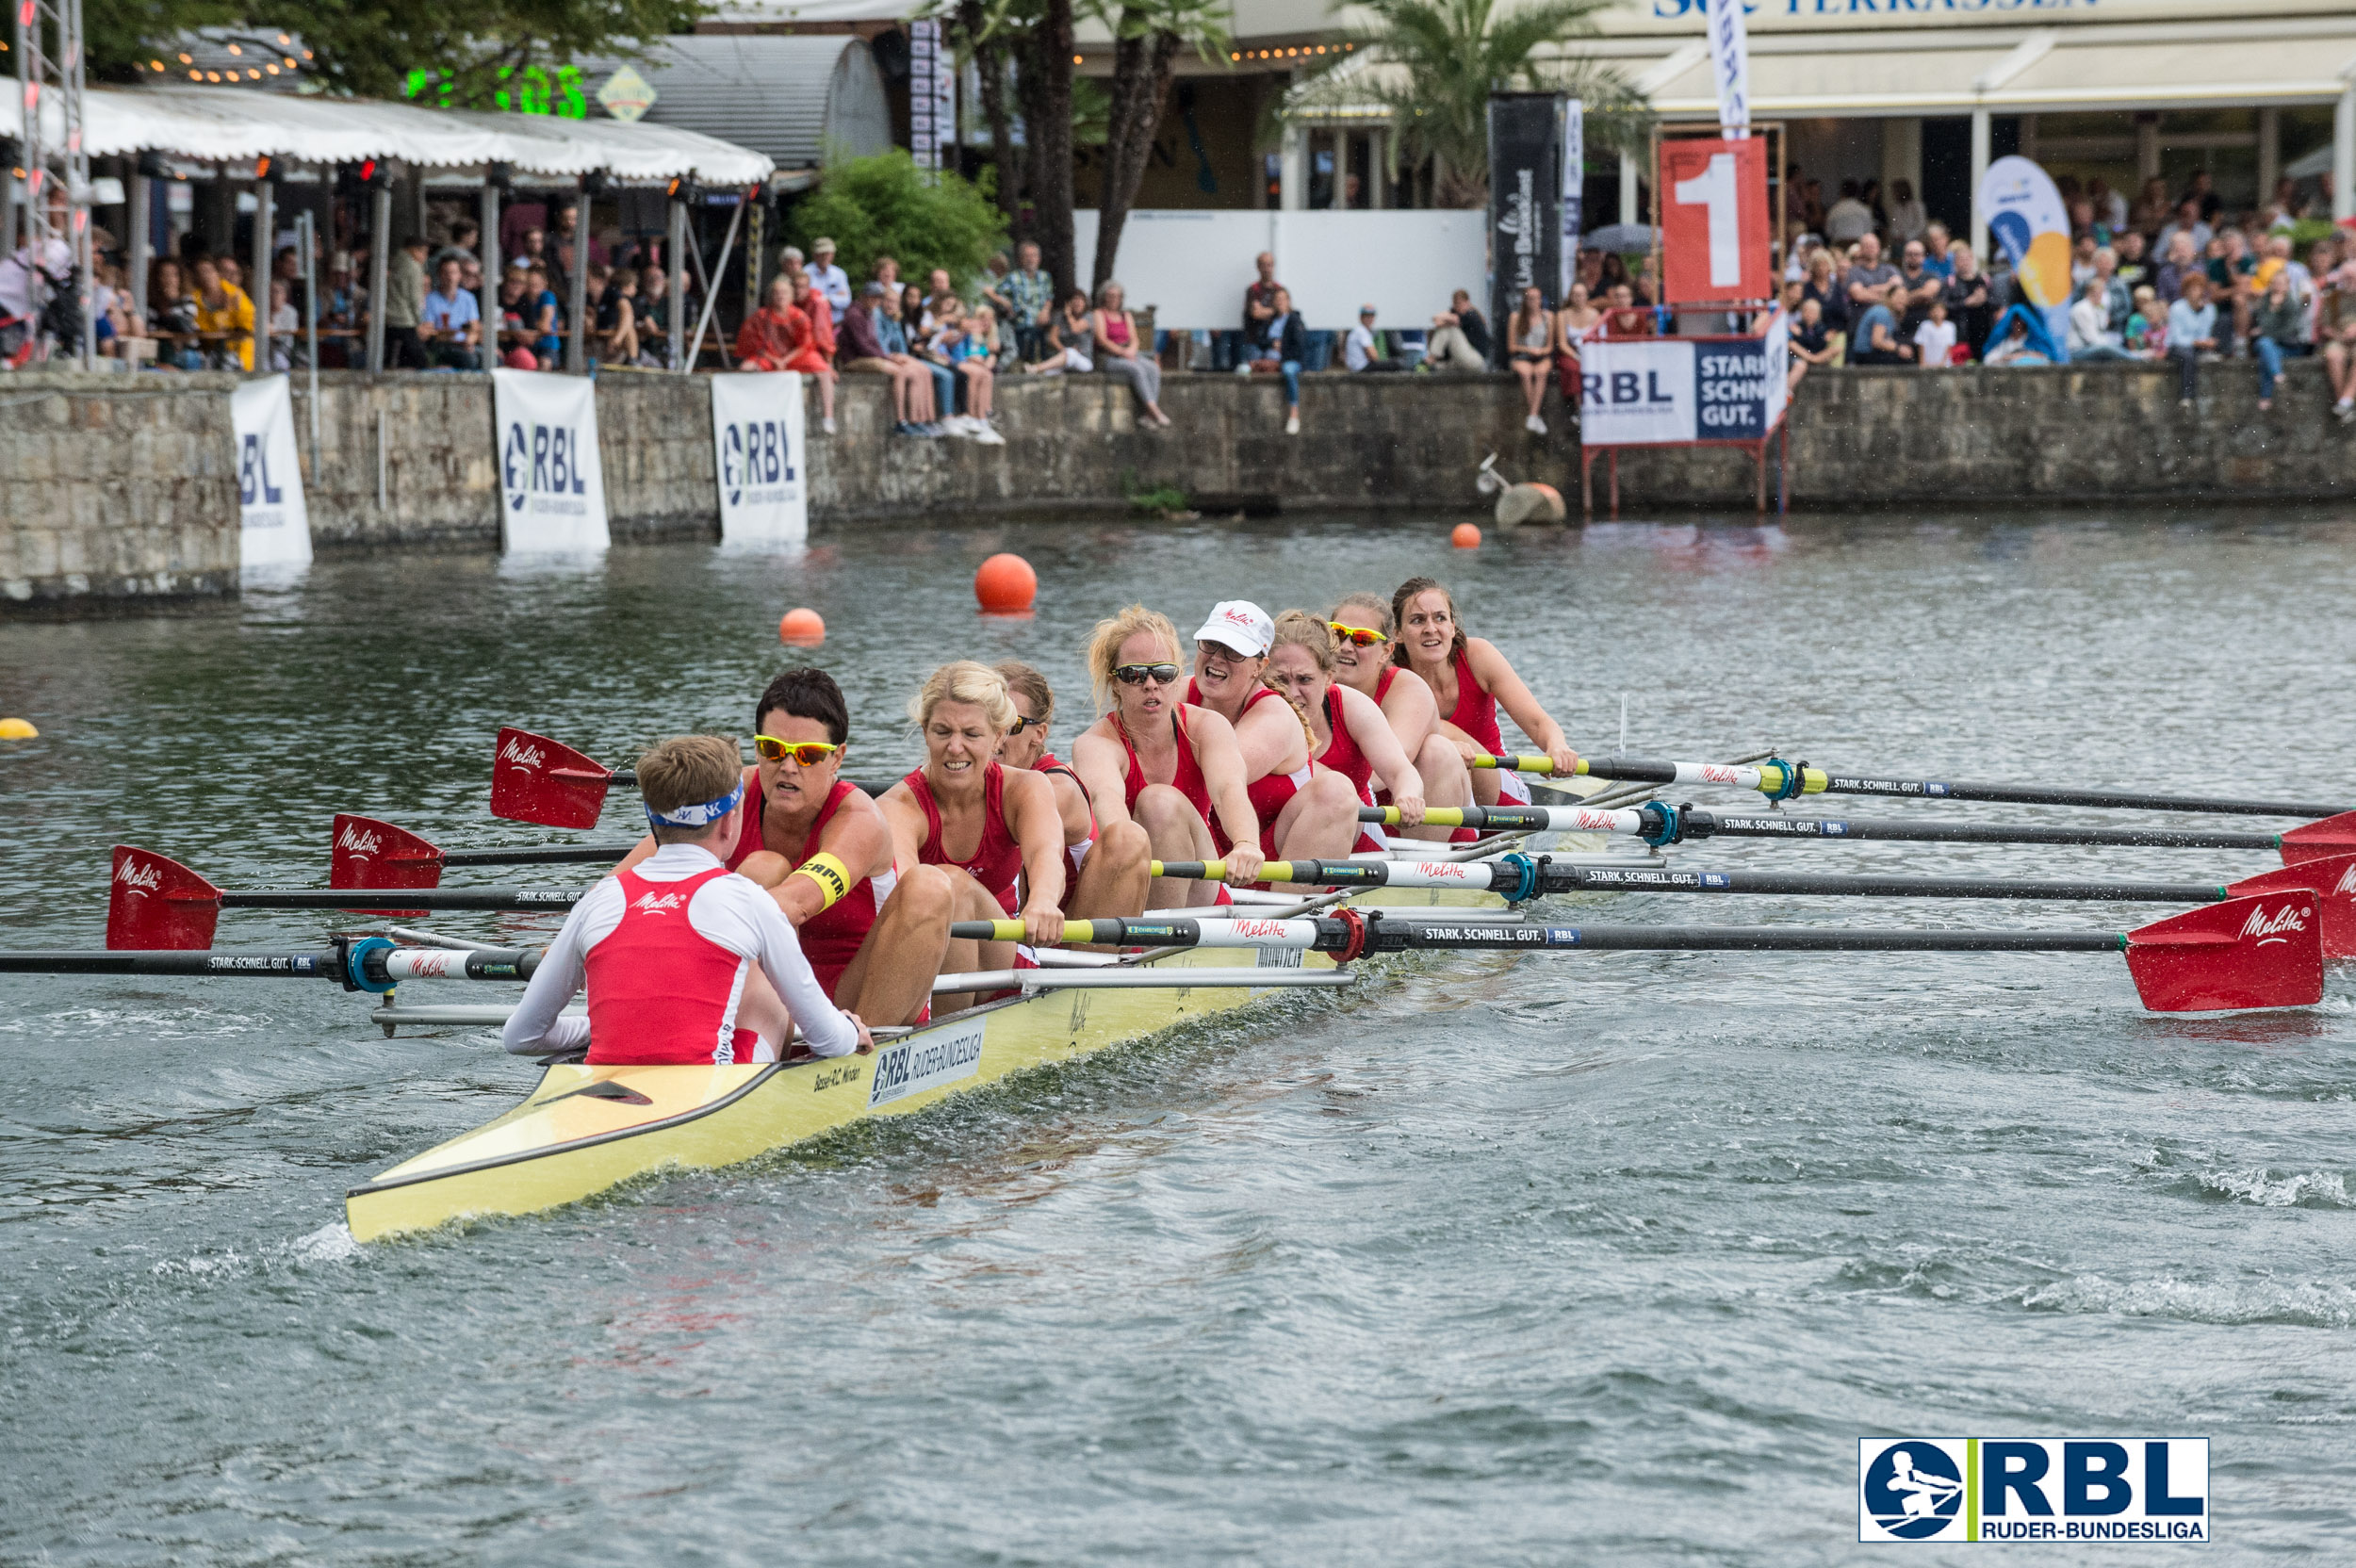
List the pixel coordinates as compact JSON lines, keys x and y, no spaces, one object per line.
{"x":659,"y":990}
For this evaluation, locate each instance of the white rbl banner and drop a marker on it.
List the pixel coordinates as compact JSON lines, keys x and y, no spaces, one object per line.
{"x":757,"y":458}
{"x":1652,"y":392}
{"x":277,"y":531}
{"x":551,"y":485}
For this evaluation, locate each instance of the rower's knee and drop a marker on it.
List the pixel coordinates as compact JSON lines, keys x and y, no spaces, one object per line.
{"x":1166,"y":816}
{"x":1123,"y":844}
{"x":925,"y":896}
{"x":1333,"y":794}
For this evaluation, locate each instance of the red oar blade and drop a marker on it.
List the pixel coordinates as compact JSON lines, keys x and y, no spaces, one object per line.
{"x":2265,"y":951}
{"x":373,"y":854}
{"x":156,"y":903}
{"x":536,"y":779}
{"x":2332,"y":880}
{"x":2318,"y":841}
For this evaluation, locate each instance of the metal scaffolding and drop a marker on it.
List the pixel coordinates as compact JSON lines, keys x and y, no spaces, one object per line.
{"x":49,"y":64}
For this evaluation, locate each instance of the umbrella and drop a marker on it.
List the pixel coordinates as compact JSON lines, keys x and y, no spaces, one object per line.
{"x":1625,"y":239}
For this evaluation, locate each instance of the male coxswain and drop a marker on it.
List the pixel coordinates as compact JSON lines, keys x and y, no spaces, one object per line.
{"x":1361,"y":624}
{"x":1305,"y":812}
{"x":1471,"y":679}
{"x":665,"y":947}
{"x":1112,"y":870}
{"x":1154,"y":760}
{"x":876,"y":931}
{"x":989,"y":825}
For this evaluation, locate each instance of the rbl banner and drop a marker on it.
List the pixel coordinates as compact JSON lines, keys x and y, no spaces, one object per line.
{"x":1715,"y":233}
{"x":1682,"y":391}
{"x":552,"y":483}
{"x":757,"y":458}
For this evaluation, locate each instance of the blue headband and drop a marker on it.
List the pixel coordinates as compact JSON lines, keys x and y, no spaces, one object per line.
{"x":699,"y":816}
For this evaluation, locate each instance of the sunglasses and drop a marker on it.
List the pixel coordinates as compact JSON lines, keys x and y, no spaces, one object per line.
{"x":1220,"y":651}
{"x":1365,"y":637}
{"x":1022,"y":723}
{"x":1138,"y":674}
{"x":807,"y":753}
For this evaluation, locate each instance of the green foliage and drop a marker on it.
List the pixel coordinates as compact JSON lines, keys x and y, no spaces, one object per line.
{"x":887,"y":205}
{"x":1433,"y":64}
{"x":2307,"y":230}
{"x":1161,"y":500}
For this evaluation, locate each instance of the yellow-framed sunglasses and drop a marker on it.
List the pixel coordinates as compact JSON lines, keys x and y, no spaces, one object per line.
{"x":807,"y":753}
{"x":1363,"y":636}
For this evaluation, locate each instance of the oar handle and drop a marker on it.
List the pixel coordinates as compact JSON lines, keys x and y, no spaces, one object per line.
{"x":1517,"y":763}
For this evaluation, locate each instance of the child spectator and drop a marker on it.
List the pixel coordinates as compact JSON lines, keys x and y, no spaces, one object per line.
{"x":2146,"y":325}
{"x":1935,"y":338}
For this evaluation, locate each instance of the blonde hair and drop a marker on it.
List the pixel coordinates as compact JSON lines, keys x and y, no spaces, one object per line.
{"x":1302,"y":630}
{"x":688,"y":770}
{"x":1026,"y":681}
{"x":1105,"y":646}
{"x":964,"y":680}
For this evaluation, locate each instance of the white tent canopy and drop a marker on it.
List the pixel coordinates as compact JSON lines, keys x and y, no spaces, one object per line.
{"x":232,"y":124}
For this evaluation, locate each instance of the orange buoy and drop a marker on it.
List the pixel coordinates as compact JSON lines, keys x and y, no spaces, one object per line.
{"x":802,"y":629}
{"x":1006,"y":585}
{"x":1466,"y":536}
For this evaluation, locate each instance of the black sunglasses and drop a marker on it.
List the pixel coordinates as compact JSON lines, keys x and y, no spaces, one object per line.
{"x":1138,"y":674}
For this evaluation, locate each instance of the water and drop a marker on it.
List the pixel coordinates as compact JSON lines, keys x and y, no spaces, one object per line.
{"x":1567,"y":1257}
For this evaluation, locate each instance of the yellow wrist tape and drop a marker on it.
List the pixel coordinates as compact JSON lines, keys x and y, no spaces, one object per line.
{"x":832,"y":876}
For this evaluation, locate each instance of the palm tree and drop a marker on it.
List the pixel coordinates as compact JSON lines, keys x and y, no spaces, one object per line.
{"x":1433,"y":64}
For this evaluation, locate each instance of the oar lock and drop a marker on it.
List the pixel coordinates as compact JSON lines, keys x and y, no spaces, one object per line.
{"x":1791,"y":779}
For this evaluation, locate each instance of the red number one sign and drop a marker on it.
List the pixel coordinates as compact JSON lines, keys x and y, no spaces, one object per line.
{"x":1714,"y":206}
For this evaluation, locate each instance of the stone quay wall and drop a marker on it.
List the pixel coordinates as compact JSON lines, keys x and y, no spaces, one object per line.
{"x":116,"y":490}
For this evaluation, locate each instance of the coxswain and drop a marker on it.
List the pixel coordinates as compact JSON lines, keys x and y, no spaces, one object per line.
{"x":988,"y":824}
{"x":875,"y":932}
{"x":1353,"y":739}
{"x":666,"y":947}
{"x":1112,"y":870}
{"x":1170,"y":768}
{"x":1470,"y":680}
{"x":1361,"y":624}
{"x":1304,"y":813}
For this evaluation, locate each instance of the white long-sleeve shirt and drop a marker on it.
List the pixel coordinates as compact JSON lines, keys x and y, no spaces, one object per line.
{"x":737,"y":915}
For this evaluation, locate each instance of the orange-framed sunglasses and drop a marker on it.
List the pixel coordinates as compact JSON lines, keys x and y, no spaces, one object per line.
{"x":807,"y":753}
{"x":1363,"y":636}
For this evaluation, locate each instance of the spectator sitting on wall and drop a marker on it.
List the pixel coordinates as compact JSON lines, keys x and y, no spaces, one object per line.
{"x":1460,"y":337}
{"x":1117,"y":351}
{"x":820,"y":313}
{"x":2014,"y":345}
{"x":828,"y":278}
{"x":1361,"y":351}
{"x":1071,"y":334}
{"x":2191,"y":333}
{"x":225,"y":314}
{"x":2278,"y":322}
{"x":2232,"y":268}
{"x":1572,"y":323}
{"x":1031,"y":304}
{"x":1625,"y":316}
{"x":2335,"y":331}
{"x":1850,"y":219}
{"x":1259,"y":298}
{"x":1281,"y":348}
{"x":1530,"y":349}
{"x":2146,"y":337}
{"x":617,"y":319}
{"x":925,"y":343}
{"x":779,"y":336}
{"x":2117,"y":300}
{"x":1934,"y":341}
{"x":1876,"y":341}
{"x":892,"y":330}
{"x":1811,"y":341}
{"x":872,"y":342}
{"x":973,"y":351}
{"x":449,"y":324}
{"x":404,"y":297}
{"x":1867,"y":281}
{"x":2090,"y":334}
{"x":937,"y":295}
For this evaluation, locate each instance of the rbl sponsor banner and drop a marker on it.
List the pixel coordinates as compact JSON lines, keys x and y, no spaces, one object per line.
{"x":277,"y":525}
{"x":757,"y":424}
{"x":551,"y":485}
{"x":1713,"y":227}
{"x":1651,"y":392}
{"x":2145,"y":1490}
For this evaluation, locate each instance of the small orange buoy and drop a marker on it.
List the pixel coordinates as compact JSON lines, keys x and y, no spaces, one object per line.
{"x":802,"y":629}
{"x":1006,"y":585}
{"x":1466,"y":536}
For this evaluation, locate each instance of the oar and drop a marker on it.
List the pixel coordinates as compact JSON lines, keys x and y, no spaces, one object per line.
{"x":154,"y":902}
{"x":1658,"y":824}
{"x":1522,"y":876}
{"x":539,"y":780}
{"x":357,"y":964}
{"x":2250,"y":953}
{"x":368,"y":853}
{"x":1780,"y":780}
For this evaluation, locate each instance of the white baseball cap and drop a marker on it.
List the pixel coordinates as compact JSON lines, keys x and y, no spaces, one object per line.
{"x":1241,"y":625}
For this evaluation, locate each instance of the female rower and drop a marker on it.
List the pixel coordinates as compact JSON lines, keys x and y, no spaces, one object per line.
{"x":1154,"y":761}
{"x":1304,"y":813}
{"x":1353,"y":738}
{"x":1112,"y":872}
{"x":1361,"y":624}
{"x":986,"y":822}
{"x":1470,"y":679}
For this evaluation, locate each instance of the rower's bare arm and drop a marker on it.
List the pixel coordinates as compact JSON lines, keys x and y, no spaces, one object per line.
{"x":1271,"y":740}
{"x":1037,"y":827}
{"x":905,"y":820}
{"x":1071,"y":806}
{"x":1413,"y":712}
{"x":858,"y":836}
{"x":1496,"y":677}
{"x":1373,"y":731}
{"x":1222,"y":762}
{"x":1103,"y":766}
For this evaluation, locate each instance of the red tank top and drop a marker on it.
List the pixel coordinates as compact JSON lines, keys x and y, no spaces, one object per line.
{"x":1186,"y":777}
{"x":1270,"y":792}
{"x":1383,"y":681}
{"x":997,"y":859}
{"x":1342,"y":755}
{"x":1476,"y":711}
{"x":830,"y":939}
{"x":1049,"y":762}
{"x":661,"y":992}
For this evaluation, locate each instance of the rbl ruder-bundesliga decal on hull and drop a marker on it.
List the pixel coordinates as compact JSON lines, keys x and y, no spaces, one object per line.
{"x":2032,"y":1489}
{"x":551,"y":484}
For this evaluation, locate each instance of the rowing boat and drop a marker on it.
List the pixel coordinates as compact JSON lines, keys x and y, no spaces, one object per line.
{"x":584,"y":1130}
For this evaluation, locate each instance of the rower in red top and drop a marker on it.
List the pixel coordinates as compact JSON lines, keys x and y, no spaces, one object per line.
{"x":1361,"y":624}
{"x":1156,"y":761}
{"x":875,"y":932}
{"x":668,"y":949}
{"x":1471,"y":679}
{"x":1303,"y":813}
{"x":1353,"y":739}
{"x":986,"y":822}
{"x":1111,"y":863}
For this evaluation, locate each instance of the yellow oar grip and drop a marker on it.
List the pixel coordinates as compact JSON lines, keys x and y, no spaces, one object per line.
{"x":1434,"y":816}
{"x":1074,"y":931}
{"x":1814,"y":781}
{"x":1518,"y":764}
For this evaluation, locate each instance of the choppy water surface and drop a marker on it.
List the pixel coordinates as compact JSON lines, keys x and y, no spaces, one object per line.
{"x":1565,"y":1257}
